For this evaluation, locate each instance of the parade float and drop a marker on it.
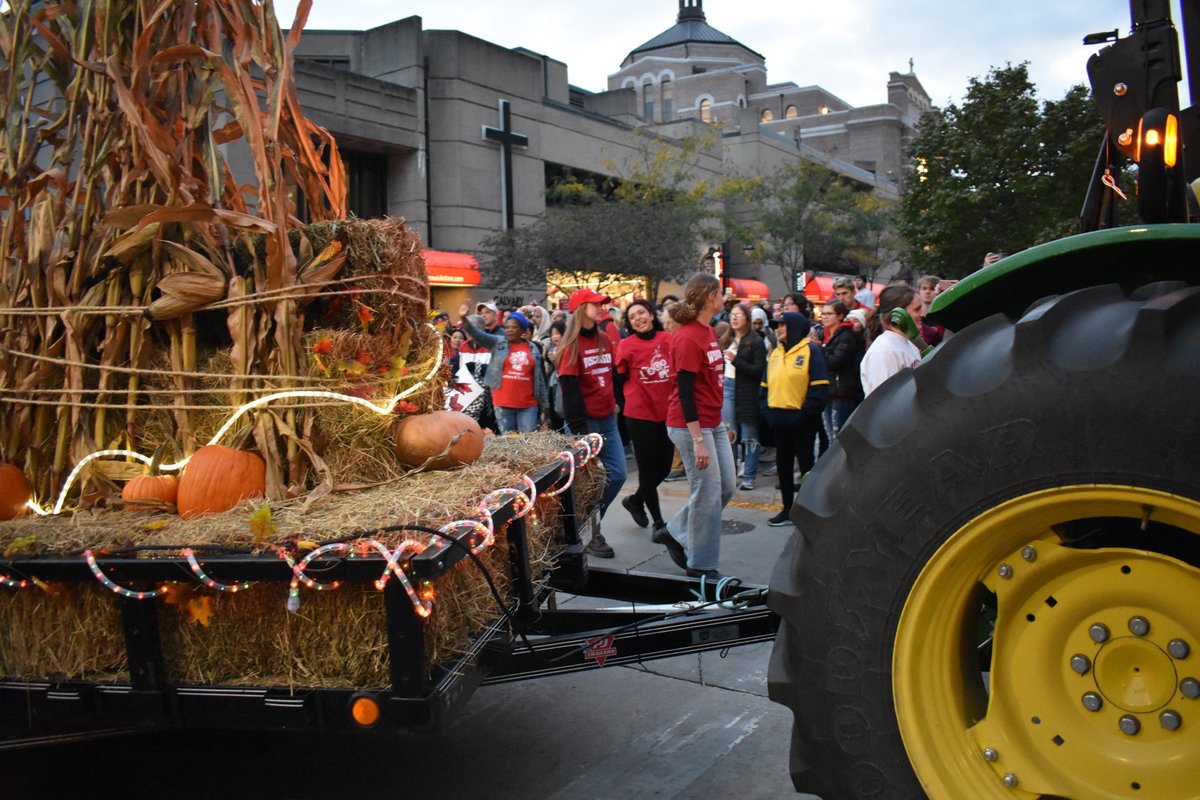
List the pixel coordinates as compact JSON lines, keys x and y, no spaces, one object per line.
{"x":230,"y":493}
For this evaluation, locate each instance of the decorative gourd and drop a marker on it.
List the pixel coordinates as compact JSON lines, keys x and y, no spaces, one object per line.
{"x":420,"y":437}
{"x":14,"y":491}
{"x":218,"y":478}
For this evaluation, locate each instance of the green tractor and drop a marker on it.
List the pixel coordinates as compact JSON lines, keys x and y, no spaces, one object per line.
{"x":994,"y":588}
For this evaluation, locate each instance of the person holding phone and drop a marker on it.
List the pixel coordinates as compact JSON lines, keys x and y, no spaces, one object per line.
{"x":892,"y":348}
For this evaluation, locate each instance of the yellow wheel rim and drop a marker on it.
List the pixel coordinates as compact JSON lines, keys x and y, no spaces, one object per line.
{"x":1090,"y":690}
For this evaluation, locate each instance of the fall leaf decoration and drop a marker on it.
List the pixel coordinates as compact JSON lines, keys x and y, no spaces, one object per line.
{"x":26,"y":545}
{"x":261,"y":525}
{"x":191,"y":601}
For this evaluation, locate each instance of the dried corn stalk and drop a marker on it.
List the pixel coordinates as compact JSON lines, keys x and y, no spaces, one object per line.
{"x":122,"y":226}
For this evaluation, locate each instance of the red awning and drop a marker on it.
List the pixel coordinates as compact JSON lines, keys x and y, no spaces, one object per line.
{"x":749,"y":289}
{"x":451,"y":269}
{"x":819,"y":289}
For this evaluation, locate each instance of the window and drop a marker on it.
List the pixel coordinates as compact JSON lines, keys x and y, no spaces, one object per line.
{"x":791,"y":113}
{"x":648,"y":101}
{"x":366,"y":179}
{"x":706,"y":110}
{"x":668,"y":96}
{"x":766,"y":116}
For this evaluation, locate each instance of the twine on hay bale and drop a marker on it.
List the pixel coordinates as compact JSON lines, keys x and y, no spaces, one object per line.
{"x":337,"y":639}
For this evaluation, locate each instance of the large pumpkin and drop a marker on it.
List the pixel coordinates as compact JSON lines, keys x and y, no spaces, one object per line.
{"x":421,"y":437}
{"x":218,"y":478}
{"x":14,"y":491}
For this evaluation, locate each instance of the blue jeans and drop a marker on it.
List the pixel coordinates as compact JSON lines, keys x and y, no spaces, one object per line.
{"x":835,"y":415}
{"x":748,"y":436}
{"x":697,"y":526}
{"x":727,"y":407}
{"x":514,"y":420}
{"x":612,"y":456}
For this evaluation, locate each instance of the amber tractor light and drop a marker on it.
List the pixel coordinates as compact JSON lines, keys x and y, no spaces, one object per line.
{"x":365,"y":711}
{"x":1157,"y":130}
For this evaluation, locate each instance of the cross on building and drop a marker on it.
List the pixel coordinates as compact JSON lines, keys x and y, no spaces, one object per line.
{"x":505,"y":137}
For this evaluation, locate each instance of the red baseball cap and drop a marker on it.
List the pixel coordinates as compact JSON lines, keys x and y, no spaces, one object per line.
{"x":581,"y":296}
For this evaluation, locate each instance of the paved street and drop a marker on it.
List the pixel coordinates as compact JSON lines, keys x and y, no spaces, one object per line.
{"x":687,"y":728}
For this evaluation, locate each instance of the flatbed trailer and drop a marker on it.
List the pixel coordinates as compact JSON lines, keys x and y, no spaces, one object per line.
{"x":651,"y":617}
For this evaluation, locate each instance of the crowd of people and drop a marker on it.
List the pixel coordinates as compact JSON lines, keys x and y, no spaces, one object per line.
{"x":688,"y":388}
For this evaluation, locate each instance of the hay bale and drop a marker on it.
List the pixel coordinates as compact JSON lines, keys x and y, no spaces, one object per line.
{"x":337,"y":639}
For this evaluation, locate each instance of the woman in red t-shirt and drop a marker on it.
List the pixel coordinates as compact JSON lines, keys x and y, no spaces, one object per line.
{"x":585,"y":375}
{"x":694,"y":424}
{"x":644,"y":358}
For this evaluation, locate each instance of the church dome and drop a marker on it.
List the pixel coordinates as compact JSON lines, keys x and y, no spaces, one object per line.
{"x":690,"y":27}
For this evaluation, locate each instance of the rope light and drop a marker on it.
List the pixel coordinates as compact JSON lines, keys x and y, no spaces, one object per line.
{"x":477,"y":529}
{"x":383,"y":409}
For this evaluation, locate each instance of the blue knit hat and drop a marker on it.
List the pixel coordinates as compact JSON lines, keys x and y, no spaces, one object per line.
{"x":521,"y":319}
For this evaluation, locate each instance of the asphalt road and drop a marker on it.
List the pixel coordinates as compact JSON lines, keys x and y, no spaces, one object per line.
{"x":686,"y":728}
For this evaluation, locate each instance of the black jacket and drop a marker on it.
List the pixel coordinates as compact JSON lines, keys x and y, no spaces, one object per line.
{"x":843,"y":356}
{"x":748,"y":365}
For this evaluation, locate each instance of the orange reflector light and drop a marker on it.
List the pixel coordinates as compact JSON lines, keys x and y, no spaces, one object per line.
{"x":1171,"y":140}
{"x":1152,"y":138}
{"x":365,"y":711}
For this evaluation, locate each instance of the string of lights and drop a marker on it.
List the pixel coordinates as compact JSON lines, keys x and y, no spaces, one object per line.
{"x":476,"y":532}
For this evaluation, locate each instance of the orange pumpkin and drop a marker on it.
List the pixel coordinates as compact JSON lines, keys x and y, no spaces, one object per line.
{"x":420,"y":437}
{"x":217,"y":479}
{"x":14,"y":491}
{"x":162,"y":488}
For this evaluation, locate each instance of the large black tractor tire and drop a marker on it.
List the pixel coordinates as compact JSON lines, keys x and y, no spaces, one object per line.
{"x":1081,"y":421}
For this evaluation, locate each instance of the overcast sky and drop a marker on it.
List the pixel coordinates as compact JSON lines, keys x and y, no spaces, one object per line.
{"x":846,"y":47}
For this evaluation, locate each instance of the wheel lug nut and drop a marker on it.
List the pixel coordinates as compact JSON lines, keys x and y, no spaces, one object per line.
{"x":1099,"y":632}
{"x":1080,"y":663}
{"x":990,"y":754}
{"x":1170,"y":720}
{"x":1029,"y":553}
{"x":1130,"y":725}
{"x":1190,"y":688}
{"x":1010,"y":780}
{"x":1092,"y":701}
{"x":1178,"y":648}
{"x":1139,"y":626}
{"x":1004,"y":571}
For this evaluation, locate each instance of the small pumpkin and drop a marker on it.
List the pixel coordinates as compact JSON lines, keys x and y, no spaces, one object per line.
{"x":162,"y":489}
{"x":218,"y":478}
{"x":421,"y":437}
{"x":14,"y":491}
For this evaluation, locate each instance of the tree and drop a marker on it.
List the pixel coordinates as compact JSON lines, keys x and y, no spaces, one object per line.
{"x":1001,"y":172}
{"x":806,"y":217}
{"x":646,"y":224}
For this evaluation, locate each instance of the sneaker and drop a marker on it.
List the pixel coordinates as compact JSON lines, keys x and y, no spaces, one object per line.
{"x":781,"y":520}
{"x":660,"y":534}
{"x":676,"y":475}
{"x":747,"y":485}
{"x":675,"y":549}
{"x":711,"y":574}
{"x":770,"y":469}
{"x":639,"y":514}
{"x":599,"y":548}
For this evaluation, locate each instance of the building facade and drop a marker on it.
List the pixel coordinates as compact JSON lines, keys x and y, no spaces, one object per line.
{"x":461,"y":136}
